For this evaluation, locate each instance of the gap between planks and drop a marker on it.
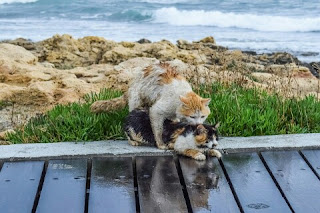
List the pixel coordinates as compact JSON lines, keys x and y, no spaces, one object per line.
{"x":37,"y":198}
{"x":135,"y":184}
{"x":1,"y":164}
{"x":275,"y":181}
{"x":309,"y":164}
{"x":183,"y":184}
{"x":231,"y":186}
{"x":88,"y":181}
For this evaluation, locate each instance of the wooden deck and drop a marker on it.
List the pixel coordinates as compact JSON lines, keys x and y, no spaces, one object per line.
{"x":280,"y":181}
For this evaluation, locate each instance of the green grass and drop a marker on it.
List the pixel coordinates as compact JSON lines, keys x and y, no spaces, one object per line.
{"x":248,"y":112}
{"x":241,"y":112}
{"x":74,"y":122}
{"x":4,"y":104}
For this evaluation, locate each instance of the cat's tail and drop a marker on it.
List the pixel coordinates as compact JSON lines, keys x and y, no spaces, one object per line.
{"x":110,"y":105}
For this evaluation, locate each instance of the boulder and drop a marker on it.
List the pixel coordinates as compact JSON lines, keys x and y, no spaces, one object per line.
{"x":13,"y":53}
{"x":66,"y":52}
{"x":208,"y":39}
{"x":144,"y":41}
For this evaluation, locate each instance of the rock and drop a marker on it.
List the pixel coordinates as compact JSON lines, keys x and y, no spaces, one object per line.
{"x":208,"y":39}
{"x":10,"y":52}
{"x":310,"y":54}
{"x":47,"y":64}
{"x":127,"y":44}
{"x":25,"y":43}
{"x":183,"y":44}
{"x":262,"y":76}
{"x":284,"y":58}
{"x":313,"y":67}
{"x":256,"y":67}
{"x":277,"y":58}
{"x":65,"y":52}
{"x":249,"y":52}
{"x":289,"y":70}
{"x":37,"y":93}
{"x":144,"y":41}
{"x":118,"y":55}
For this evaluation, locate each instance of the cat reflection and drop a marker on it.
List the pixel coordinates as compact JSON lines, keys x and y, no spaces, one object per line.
{"x":201,"y":177}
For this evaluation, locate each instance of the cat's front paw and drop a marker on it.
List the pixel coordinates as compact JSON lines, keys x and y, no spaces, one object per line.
{"x":199,"y":156}
{"x":134,"y":143}
{"x":215,"y":153}
{"x":163,"y":147}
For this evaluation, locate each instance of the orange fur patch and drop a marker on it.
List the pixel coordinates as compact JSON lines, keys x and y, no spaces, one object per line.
{"x":200,"y":139}
{"x":169,"y":75}
{"x":192,"y":103}
{"x":147,"y":71}
{"x":191,"y":152}
{"x":202,"y":134}
{"x":175,"y":135}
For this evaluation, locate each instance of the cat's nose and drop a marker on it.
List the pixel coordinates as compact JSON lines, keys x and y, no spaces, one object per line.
{"x":197,"y":121}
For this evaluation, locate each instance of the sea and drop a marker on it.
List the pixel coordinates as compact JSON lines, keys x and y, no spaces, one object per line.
{"x":263,"y":26}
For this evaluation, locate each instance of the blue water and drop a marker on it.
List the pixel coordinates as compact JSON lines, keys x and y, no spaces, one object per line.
{"x":261,"y":25}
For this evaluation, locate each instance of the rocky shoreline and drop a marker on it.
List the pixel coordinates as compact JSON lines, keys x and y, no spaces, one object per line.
{"x":35,"y":76}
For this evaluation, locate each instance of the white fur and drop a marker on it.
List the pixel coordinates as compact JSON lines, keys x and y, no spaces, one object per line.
{"x":200,"y":156}
{"x":188,"y":142}
{"x":185,"y":142}
{"x":163,"y":100}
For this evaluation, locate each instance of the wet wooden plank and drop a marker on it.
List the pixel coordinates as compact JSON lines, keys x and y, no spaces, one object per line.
{"x":299,"y":184}
{"x":313,"y":156}
{"x":207,"y":186}
{"x":64,"y":187}
{"x":253,"y":184}
{"x":159,"y":185}
{"x":19,"y":183}
{"x":112,"y":186}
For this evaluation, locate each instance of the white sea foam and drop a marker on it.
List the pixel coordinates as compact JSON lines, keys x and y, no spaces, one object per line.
{"x":16,"y":1}
{"x":261,"y":22}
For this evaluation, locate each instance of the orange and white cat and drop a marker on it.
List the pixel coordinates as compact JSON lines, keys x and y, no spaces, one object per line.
{"x":166,"y":93}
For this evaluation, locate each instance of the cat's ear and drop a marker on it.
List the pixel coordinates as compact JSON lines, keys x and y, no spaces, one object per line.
{"x":183,"y":99}
{"x":206,"y":101}
{"x":216,"y":126}
{"x":200,"y":129}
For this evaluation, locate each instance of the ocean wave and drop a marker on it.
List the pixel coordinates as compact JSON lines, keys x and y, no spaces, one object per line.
{"x":162,"y":1}
{"x":130,"y":15}
{"x":177,"y":17}
{"x":16,"y":1}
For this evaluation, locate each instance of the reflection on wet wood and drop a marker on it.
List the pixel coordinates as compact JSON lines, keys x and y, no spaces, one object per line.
{"x":64,"y":187}
{"x":253,"y":185}
{"x":313,"y":156}
{"x":207,"y":186}
{"x":159,"y":185}
{"x":111,"y":187}
{"x":299,"y":184}
{"x":18,"y":186}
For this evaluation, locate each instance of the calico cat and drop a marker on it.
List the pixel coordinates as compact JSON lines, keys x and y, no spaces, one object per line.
{"x":186,"y":139}
{"x":166,"y":93}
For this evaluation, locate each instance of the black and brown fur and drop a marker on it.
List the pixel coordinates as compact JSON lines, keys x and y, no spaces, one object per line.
{"x":139,"y":132}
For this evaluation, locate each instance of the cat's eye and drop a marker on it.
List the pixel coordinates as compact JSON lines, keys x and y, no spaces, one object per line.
{"x":202,"y":116}
{"x":192,"y":116}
